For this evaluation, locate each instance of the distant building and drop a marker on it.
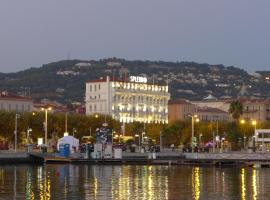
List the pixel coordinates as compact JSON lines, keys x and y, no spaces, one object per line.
{"x":221,"y":104}
{"x":212,"y":114}
{"x":183,"y":109}
{"x":256,"y":109}
{"x":56,"y":106}
{"x":10,"y":102}
{"x":180,"y":110}
{"x":128,"y":100}
{"x":83,"y":64}
{"x":253,"y":109}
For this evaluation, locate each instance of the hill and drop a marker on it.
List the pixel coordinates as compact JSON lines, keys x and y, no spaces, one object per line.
{"x":64,"y":81}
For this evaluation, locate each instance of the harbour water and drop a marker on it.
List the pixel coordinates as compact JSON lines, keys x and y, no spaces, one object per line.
{"x":66,"y":181}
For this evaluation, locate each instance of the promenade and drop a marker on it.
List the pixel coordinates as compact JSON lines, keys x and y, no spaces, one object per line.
{"x":165,"y":157}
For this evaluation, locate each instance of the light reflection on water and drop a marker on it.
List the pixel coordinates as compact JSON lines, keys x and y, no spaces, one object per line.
{"x":132,"y":182}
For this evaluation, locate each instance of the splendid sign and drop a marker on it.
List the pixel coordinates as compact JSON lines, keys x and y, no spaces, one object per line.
{"x":138,"y":79}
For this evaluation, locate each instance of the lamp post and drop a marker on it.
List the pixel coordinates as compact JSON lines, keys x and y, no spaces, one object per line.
{"x":17,"y":116}
{"x":28,"y":135}
{"x":254,"y":123}
{"x":46,"y":122}
{"x":73,"y":131}
{"x":194,"y":118}
{"x":243,"y":122}
{"x":160,"y":140}
{"x":137,"y":135}
{"x":113,"y":133}
{"x":143,"y":133}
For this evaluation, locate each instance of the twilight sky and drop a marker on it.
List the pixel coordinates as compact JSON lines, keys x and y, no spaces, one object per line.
{"x":229,"y":32}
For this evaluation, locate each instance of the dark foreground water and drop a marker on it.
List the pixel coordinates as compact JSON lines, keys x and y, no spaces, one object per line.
{"x":132,"y":182}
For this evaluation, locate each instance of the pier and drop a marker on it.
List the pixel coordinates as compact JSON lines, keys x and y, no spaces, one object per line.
{"x":160,"y":158}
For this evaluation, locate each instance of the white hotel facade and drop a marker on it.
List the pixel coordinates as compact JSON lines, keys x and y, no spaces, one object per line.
{"x":128,"y":101}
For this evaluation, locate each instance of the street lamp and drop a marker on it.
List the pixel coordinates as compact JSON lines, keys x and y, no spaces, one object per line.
{"x":46,"y":122}
{"x":17,"y":116}
{"x":254,"y":123}
{"x":74,"y":131}
{"x":143,"y":133}
{"x":160,"y":140}
{"x":242,"y":121}
{"x":137,"y":135}
{"x":28,"y":135}
{"x":194,"y":118}
{"x":113,"y":133}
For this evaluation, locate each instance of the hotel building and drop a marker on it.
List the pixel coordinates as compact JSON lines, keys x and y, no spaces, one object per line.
{"x":128,"y":100}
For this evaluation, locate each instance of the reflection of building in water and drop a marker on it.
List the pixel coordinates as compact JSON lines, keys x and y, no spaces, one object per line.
{"x":29,"y":193}
{"x":137,"y":182}
{"x":44,"y":183}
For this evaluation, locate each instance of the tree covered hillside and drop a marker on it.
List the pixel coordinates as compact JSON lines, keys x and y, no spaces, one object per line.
{"x":64,"y":81}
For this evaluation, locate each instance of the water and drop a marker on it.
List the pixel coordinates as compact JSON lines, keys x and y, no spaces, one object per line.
{"x":132,"y":182}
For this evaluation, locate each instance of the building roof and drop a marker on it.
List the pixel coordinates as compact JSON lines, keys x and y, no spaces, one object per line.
{"x":248,"y":100}
{"x":7,"y":96}
{"x":180,"y":101}
{"x":124,"y":80}
{"x":210,"y":97}
{"x":209,"y":109}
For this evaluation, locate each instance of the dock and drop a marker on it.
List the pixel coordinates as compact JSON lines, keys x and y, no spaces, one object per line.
{"x":161,"y":158}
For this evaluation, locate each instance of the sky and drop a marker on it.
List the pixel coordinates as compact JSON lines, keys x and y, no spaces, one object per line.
{"x":229,"y":32}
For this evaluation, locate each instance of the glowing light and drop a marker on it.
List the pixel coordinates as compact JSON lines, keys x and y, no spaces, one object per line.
{"x":243,"y":183}
{"x":254,"y":184}
{"x":196,"y":185}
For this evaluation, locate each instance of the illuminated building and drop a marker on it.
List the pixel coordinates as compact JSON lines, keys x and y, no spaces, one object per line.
{"x":128,"y":101}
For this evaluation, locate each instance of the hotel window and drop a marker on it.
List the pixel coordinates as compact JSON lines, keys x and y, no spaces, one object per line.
{"x":95,"y":107}
{"x":90,"y":107}
{"x":99,"y":86}
{"x":98,"y":96}
{"x":95,"y":87}
{"x":90,"y":88}
{"x":28,"y":107}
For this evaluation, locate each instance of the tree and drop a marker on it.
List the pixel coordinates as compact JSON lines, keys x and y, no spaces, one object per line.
{"x":236,"y":109}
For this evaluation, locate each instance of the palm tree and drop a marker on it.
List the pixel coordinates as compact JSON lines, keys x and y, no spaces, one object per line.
{"x":236,"y":109}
